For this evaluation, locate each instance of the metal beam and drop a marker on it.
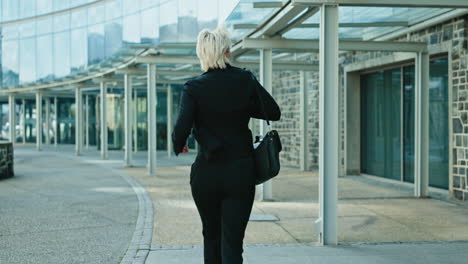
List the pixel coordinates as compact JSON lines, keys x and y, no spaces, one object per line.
{"x":347,"y":45}
{"x":421,"y":159}
{"x":267,"y":4}
{"x":299,"y":20}
{"x":278,"y":21}
{"x":151,"y":97}
{"x":128,"y":119}
{"x":387,"y":3}
{"x":56,"y":122}
{"x":78,"y":121}
{"x":38,"y":120}
{"x":342,"y":25}
{"x":266,"y":79}
{"x":103,"y":125}
{"x":329,"y":124}
{"x":303,"y":120}
{"x":165,"y":59}
{"x":12,"y":118}
{"x":169,"y":120}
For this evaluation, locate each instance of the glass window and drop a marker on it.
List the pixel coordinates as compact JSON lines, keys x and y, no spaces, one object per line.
{"x":188,"y":26}
{"x":150,"y":26}
{"x":79,"y":47}
{"x":44,"y":57}
{"x":10,"y":9}
{"x":61,"y":4}
{"x":62,"y":54}
{"x":381,"y":124}
{"x":207,"y":14}
{"x":27,"y":8}
{"x":10,"y":32}
{"x":62,"y":22}
{"x":408,"y":123}
{"x":168,"y":21}
{"x":113,"y":38}
{"x":44,"y":6}
{"x":44,"y":26}
{"x":148,"y":3}
{"x":131,"y":28}
{"x":113,"y":9}
{"x":27,"y":60}
{"x":27,"y":29}
{"x":79,"y":18}
{"x":131,"y":6}
{"x":95,"y":43}
{"x":96,"y":14}
{"x":10,"y":63}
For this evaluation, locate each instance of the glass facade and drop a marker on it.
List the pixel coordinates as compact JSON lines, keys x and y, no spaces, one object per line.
{"x":387,"y":136}
{"x":55,"y":44}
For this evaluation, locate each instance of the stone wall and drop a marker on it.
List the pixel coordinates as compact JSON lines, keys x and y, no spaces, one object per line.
{"x":286,"y":91}
{"x":6,"y":160}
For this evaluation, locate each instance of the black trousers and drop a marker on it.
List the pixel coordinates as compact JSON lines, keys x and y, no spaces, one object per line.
{"x":224,"y":193}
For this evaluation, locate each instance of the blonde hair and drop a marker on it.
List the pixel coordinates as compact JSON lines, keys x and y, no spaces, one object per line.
{"x":212,"y":47}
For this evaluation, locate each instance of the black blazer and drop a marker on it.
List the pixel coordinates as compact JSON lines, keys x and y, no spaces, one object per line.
{"x":218,"y":106}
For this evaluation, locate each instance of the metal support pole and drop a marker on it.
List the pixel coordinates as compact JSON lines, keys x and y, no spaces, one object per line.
{"x":266,"y":74}
{"x":23,"y":120}
{"x":78,"y":121}
{"x":103,"y":126}
{"x":12,"y":118}
{"x":151,"y":97}
{"x":56,"y":126}
{"x":169,"y":120}
{"x":135,"y":121}
{"x":303,"y":121}
{"x":128,"y":119}
{"x":329,"y":119}
{"x":421,"y":162}
{"x":47,"y":117}
{"x":38,"y":120}
{"x":87,"y":122}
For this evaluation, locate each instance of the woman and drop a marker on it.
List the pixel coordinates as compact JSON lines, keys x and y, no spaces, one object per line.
{"x":218,"y":106}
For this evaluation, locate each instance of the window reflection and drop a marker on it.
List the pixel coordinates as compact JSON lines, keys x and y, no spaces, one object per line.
{"x":44,"y":58}
{"x":131,"y":28}
{"x":150,"y":26}
{"x":168,"y":21}
{"x":79,"y":46}
{"x":10,"y":9}
{"x":113,"y":37}
{"x":10,"y":63}
{"x":27,"y":60}
{"x":62,"y":54}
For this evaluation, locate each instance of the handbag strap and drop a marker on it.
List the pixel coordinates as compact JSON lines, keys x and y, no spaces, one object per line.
{"x":262,"y":105}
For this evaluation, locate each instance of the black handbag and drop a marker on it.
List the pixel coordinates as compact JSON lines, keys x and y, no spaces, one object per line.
{"x":266,"y":152}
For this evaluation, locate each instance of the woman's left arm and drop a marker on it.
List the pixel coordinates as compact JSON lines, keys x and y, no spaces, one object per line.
{"x":184,"y":122}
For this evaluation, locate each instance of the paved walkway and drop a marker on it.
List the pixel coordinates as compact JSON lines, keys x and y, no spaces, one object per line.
{"x":60,"y":210}
{"x":396,"y":227}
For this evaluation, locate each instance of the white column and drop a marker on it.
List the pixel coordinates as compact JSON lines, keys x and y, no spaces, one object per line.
{"x":87,"y":122}
{"x":169,"y":120}
{"x":421,"y":159}
{"x":23,"y":120}
{"x":128,"y":119}
{"x":303,"y":120}
{"x":38,"y":120}
{"x":56,"y":126}
{"x":47,"y":117}
{"x":151,"y":97}
{"x":78,"y":121}
{"x":329,"y":116}
{"x":12,"y":118}
{"x":103,"y":120}
{"x":266,"y":72}
{"x":135,"y":121}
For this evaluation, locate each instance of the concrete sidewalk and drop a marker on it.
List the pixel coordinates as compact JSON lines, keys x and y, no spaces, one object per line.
{"x":406,"y":253}
{"x":395,"y":227}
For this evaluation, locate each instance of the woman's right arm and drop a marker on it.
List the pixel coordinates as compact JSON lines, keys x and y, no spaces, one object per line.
{"x":261,"y":96}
